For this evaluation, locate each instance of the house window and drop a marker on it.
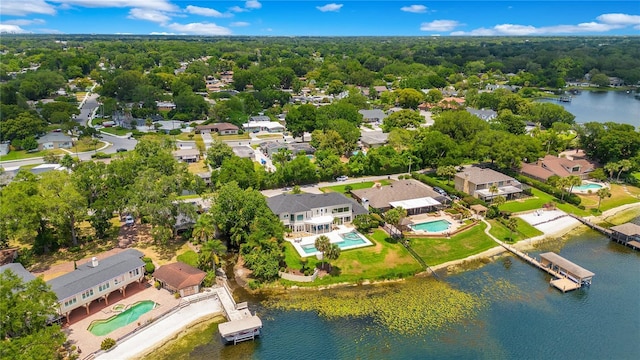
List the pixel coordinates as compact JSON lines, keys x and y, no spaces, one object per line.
{"x":285,"y":216}
{"x":70,"y":302}
{"x":300,"y":217}
{"x":118,"y":280}
{"x":104,"y":286}
{"x":134,"y":272}
{"x":87,"y":294}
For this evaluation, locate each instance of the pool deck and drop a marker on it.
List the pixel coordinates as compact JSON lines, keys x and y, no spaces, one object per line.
{"x":300,"y":240}
{"x":79,"y":335}
{"x":593,"y":191}
{"x":440,"y":215}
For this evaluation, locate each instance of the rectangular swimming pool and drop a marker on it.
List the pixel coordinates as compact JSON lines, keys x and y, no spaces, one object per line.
{"x":432,"y":226}
{"x":350,"y":239}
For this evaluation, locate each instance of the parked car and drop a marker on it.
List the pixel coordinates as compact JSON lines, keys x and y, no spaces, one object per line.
{"x":439,"y":191}
{"x":342,"y":178}
{"x":129,"y":220}
{"x":121,"y":150}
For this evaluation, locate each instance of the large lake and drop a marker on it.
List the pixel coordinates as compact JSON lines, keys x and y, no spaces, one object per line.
{"x":603,"y":106}
{"x":537,"y":322}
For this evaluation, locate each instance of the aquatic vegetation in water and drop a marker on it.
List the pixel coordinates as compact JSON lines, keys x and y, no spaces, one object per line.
{"x":412,"y":307}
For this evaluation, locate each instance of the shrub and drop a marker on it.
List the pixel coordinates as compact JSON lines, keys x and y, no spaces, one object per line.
{"x":176,"y":295}
{"x":157,"y":285}
{"x":254,"y":284}
{"x":100,"y":155}
{"x":570,"y":198}
{"x":149,"y":268}
{"x":107,"y":344}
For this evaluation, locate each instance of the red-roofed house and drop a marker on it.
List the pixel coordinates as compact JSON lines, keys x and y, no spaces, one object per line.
{"x":180,"y":277}
{"x":551,"y":165}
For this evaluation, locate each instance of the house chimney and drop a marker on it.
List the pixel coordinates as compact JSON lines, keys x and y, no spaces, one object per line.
{"x":94,"y":262}
{"x":365,"y":203}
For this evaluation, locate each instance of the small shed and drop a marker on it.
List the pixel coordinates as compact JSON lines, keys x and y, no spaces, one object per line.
{"x":180,"y":277}
{"x":479,"y":209}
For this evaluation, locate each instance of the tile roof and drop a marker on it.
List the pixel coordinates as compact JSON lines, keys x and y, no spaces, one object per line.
{"x":87,"y":276}
{"x":380,"y":197}
{"x":294,"y":203}
{"x":179,"y":275}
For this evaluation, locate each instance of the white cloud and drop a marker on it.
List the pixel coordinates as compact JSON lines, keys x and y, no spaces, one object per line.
{"x":25,"y":7}
{"x":439,"y":25}
{"x":12,"y":29}
{"x":252,"y":4}
{"x":199,"y":28}
{"x":237,"y":9}
{"x":619,"y":19}
{"x":197,"y":10}
{"x":239,"y":24}
{"x":330,"y":7}
{"x":24,"y":22}
{"x":161,"y":33}
{"x":160,"y":5}
{"x":149,"y":15}
{"x":525,"y":30}
{"x":414,"y":9}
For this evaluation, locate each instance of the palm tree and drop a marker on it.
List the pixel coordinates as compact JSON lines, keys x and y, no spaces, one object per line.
{"x":624,"y":165}
{"x":493,"y":189}
{"x":499,"y":200}
{"x":204,"y":229}
{"x":323,"y":245}
{"x":512,"y":224}
{"x":602,"y":193}
{"x":562,"y":184}
{"x":448,"y":170}
{"x":611,"y":168}
{"x":209,"y":254}
{"x":573,"y":180}
{"x":333,"y":253}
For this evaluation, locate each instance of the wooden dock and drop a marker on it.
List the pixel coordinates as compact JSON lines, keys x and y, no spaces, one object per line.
{"x":563,"y":280}
{"x":626,"y":234}
{"x":242,"y":325}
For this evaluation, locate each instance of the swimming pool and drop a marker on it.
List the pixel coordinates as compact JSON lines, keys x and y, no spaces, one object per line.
{"x":432,"y":226}
{"x":103,"y":327}
{"x":350,"y":239}
{"x":587,"y":187}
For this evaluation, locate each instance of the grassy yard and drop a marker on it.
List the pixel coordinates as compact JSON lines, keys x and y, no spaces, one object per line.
{"x":538,"y":199}
{"x":22,"y":154}
{"x":618,"y":197}
{"x":186,"y":136}
{"x":385,"y":260}
{"x":436,"y":251}
{"x":244,"y":136}
{"x":524,"y":231}
{"x":355,"y":186}
{"x":116,"y":130}
{"x":189,"y":257}
{"x":198,"y":167}
{"x":269,"y":136}
{"x":86,"y":145}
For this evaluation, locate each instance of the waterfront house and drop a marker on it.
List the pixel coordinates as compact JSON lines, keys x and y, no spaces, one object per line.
{"x":180,"y":277}
{"x":560,"y":166}
{"x":477,"y":182}
{"x":411,"y":195}
{"x":96,"y":279}
{"x":484,"y":114}
{"x":314,"y":213}
{"x":55,"y":140}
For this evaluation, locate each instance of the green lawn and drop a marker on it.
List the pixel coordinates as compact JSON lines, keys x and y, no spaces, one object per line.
{"x":524,"y":231}
{"x":189,"y":257}
{"x":436,"y":251}
{"x":116,"y":130}
{"x":244,"y":136}
{"x":355,"y":186}
{"x":537,"y":201}
{"x":636,"y":175}
{"x":22,"y":154}
{"x":384,"y":260}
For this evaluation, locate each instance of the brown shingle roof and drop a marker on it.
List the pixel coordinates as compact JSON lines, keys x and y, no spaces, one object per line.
{"x":628,"y":229}
{"x":179,"y":275}
{"x":557,"y":166}
{"x":380,"y":197}
{"x":481,"y":176}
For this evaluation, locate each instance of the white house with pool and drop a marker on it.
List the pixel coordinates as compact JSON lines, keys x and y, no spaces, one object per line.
{"x":314,"y":213}
{"x":311,"y":215}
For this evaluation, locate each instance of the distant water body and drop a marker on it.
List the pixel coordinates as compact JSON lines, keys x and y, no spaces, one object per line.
{"x":604,"y":106}
{"x":528,"y":320}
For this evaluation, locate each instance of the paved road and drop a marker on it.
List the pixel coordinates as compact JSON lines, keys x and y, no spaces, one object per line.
{"x":88,"y":106}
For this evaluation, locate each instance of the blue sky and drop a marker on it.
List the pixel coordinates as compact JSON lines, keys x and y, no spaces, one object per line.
{"x":322,"y":18}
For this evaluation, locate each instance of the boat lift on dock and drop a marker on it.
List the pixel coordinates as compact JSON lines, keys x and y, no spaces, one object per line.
{"x":569,"y":275}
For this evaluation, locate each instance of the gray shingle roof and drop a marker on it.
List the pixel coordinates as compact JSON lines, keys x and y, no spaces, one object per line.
{"x":19,"y":270}
{"x":86,"y":276}
{"x":293,"y":203}
{"x":380,"y":197}
{"x":54,"y":136}
{"x":480,"y":176}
